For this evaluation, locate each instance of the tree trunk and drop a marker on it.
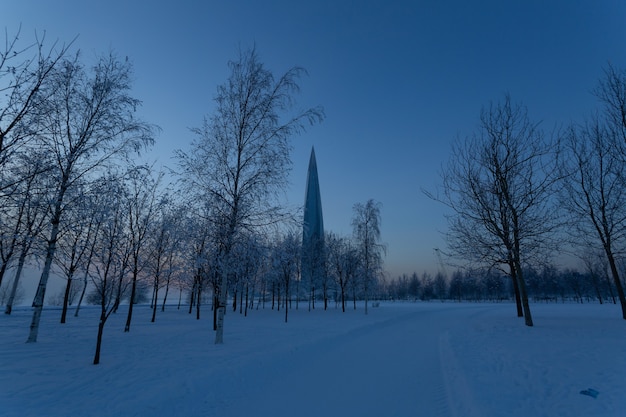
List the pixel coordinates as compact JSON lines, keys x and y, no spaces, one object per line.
{"x":152,"y":303}
{"x":43,"y":281}
{"x":198,"y":301}
{"x":82,"y":295}
{"x":528,"y":319}
{"x":617,"y":282}
{"x":96,"y":358}
{"x":16,"y":280}
{"x":3,"y":269}
{"x":131,"y":302}
{"x":241,"y":302}
{"x":192,"y":296}
{"x":215,"y":305}
{"x":66,"y":296}
{"x":221,"y":308}
{"x":156,"y":297}
{"x":167,"y":290}
{"x":52,"y":246}
{"x":118,"y":296}
{"x":286,"y":297}
{"x":518,"y":298}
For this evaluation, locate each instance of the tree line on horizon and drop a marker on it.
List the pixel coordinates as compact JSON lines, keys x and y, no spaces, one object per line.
{"x":548,"y":284}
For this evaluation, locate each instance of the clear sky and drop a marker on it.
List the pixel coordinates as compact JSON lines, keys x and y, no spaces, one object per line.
{"x":398,"y":80}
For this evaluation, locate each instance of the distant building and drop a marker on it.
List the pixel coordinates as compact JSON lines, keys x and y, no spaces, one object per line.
{"x":312,"y":228}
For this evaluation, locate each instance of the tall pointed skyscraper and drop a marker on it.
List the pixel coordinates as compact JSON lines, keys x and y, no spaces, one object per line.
{"x":313,"y":226}
{"x":312,"y":229}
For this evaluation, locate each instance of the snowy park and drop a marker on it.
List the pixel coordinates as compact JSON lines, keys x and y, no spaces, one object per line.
{"x":402,"y":359}
{"x":388,"y":188}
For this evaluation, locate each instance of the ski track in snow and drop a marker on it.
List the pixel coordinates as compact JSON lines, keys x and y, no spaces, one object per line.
{"x":381,"y":369}
{"x":403,"y":359}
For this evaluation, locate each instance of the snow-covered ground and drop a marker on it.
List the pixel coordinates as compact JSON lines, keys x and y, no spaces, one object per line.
{"x":403,"y":359}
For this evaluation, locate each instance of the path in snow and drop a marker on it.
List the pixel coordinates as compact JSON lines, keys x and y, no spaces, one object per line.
{"x":381,"y":369}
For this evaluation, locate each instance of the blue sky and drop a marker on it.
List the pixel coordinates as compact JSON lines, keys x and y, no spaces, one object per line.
{"x":398,"y":80}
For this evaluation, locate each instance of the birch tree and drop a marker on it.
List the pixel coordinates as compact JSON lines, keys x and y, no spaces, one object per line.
{"x":249,"y":253}
{"x":366,"y":228}
{"x":173,"y":266}
{"x":89,"y":121}
{"x":163,"y":244}
{"x":141,"y":207}
{"x":285,"y":258}
{"x":240,"y":157}
{"x":25,"y":72}
{"x":108,"y":263}
{"x":200,"y":249}
{"x":343,"y":262}
{"x":94,"y":198}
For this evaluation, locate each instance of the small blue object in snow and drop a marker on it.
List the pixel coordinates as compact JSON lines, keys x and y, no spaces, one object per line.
{"x":590,"y":392}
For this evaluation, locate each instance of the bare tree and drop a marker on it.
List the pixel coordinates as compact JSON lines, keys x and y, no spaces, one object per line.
{"x":89,"y":120}
{"x":250,"y":253}
{"x":611,"y":91}
{"x":285,"y":259}
{"x":141,"y":207}
{"x":366,"y":228}
{"x":24,"y":72}
{"x":594,"y":191}
{"x":176,"y":222}
{"x":108,"y":263}
{"x":240,"y":158}
{"x":94,"y":197}
{"x":163,"y":242}
{"x":499,"y":188}
{"x":343,"y":262}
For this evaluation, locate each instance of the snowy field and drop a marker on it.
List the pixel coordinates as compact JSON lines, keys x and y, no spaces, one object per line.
{"x":403,"y":359}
